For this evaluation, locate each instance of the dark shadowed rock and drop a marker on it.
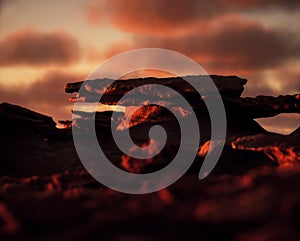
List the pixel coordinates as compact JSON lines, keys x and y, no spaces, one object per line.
{"x":31,"y":144}
{"x":240,"y":113}
{"x":284,"y":150}
{"x":14,"y":115}
{"x":263,"y":106}
{"x":296,"y":132}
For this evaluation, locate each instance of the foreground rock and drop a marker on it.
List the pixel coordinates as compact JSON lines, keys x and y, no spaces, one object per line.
{"x":263,"y":204}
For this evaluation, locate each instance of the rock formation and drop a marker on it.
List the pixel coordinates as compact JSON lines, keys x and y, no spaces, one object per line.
{"x":252,"y":194}
{"x":240,"y":111}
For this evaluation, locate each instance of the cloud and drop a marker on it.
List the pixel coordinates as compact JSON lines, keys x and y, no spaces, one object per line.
{"x":259,"y":4}
{"x":143,"y":16}
{"x":46,"y":95}
{"x":231,"y":44}
{"x":33,"y":48}
{"x":7,"y":2}
{"x":164,"y":17}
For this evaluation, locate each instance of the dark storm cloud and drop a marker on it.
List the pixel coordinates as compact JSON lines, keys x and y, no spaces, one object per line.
{"x":30,"y":47}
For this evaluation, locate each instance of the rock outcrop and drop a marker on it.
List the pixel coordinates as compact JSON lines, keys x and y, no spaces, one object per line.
{"x":264,"y":106}
{"x":31,"y":144}
{"x":240,"y":111}
{"x":16,"y":116}
{"x":283,"y":150}
{"x":46,"y":193}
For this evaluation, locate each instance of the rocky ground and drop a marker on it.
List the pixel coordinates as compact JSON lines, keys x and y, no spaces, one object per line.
{"x":262,"y":204}
{"x":252,"y":194}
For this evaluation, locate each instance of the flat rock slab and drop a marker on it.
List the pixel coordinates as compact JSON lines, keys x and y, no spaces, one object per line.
{"x":91,"y":89}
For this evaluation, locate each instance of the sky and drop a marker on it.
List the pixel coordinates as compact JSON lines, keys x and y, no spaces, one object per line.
{"x":45,"y":44}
